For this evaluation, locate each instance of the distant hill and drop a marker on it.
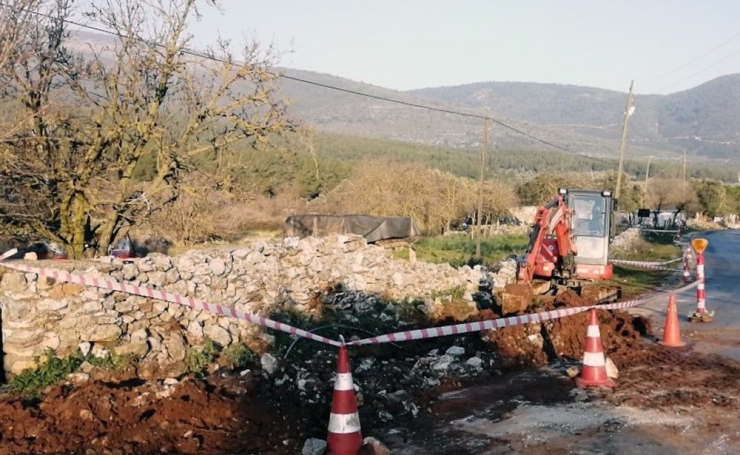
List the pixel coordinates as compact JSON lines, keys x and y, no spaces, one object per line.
{"x":582,"y":120}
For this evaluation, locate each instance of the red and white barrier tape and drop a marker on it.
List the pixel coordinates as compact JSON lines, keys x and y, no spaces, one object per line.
{"x":457,"y":329}
{"x":167,"y":297}
{"x":660,"y":266}
{"x":494,"y":324}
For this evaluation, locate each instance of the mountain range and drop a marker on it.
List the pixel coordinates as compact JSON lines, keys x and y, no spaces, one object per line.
{"x":702,"y":121}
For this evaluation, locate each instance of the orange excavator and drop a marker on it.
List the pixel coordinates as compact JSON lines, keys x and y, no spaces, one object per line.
{"x":568,"y":249}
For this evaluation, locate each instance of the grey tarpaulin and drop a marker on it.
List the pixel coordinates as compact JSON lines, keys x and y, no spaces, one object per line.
{"x":373,"y":228}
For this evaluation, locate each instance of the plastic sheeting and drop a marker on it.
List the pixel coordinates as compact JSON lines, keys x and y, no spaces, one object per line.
{"x":373,"y":228}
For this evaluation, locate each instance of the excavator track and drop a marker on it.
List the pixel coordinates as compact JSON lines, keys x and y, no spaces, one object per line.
{"x":517,"y":298}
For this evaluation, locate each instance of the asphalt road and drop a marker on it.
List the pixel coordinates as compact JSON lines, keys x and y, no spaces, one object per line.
{"x":722,"y":270}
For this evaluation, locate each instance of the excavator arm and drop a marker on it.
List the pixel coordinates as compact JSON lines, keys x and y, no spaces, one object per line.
{"x":551,"y":243}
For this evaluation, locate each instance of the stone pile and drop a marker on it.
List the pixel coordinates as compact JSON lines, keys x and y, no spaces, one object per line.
{"x":626,"y":240}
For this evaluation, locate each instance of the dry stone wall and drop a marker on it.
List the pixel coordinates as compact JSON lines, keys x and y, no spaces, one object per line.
{"x":38,"y":313}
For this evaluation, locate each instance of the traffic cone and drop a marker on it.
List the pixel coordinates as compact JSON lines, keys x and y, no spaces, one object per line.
{"x":345,"y":437}
{"x":593,"y":373}
{"x":672,"y":332}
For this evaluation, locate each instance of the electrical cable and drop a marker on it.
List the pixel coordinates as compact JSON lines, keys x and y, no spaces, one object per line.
{"x":649,"y":81}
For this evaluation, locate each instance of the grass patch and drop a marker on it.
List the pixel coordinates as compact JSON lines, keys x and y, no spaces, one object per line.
{"x":459,"y":250}
{"x":635,"y":282}
{"x":653,"y":247}
{"x":31,"y":382}
{"x":237,"y":356}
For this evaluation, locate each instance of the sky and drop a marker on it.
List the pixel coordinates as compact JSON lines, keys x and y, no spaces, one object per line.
{"x":665,"y":46}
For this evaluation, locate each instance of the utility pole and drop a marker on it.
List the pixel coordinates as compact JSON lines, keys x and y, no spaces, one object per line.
{"x":483,"y":156}
{"x":647,"y":174}
{"x":684,"y":166}
{"x":628,"y":110}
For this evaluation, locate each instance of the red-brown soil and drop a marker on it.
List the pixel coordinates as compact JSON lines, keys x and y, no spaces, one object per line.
{"x":227,"y":413}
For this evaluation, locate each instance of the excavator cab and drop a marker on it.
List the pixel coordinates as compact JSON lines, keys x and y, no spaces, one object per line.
{"x":592,"y":220}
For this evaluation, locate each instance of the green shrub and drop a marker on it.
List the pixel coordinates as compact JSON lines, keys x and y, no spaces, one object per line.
{"x":31,"y":382}
{"x":237,"y":356}
{"x":198,"y":359}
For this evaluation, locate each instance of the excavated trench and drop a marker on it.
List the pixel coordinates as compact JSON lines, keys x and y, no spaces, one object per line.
{"x":250,"y":412}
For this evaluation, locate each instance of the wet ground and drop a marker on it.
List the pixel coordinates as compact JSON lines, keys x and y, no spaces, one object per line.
{"x":666,"y":402}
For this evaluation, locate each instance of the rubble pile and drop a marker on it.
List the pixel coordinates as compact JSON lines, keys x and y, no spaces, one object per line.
{"x":626,"y":241}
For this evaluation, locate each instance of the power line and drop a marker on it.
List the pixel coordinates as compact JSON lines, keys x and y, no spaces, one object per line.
{"x":330,"y":87}
{"x":701,"y":71}
{"x":678,"y":68}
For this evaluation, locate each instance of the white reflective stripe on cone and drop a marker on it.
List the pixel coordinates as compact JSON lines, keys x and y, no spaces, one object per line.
{"x":593,"y":331}
{"x":344,"y":382}
{"x":344,"y":423}
{"x":594,"y":359}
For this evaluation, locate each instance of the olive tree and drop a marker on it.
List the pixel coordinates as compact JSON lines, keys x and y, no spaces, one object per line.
{"x":84,"y":120}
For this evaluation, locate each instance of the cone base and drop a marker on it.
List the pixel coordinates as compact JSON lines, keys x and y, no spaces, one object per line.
{"x":343,"y":444}
{"x":705,"y":317}
{"x":582,"y":383}
{"x":675,"y":344}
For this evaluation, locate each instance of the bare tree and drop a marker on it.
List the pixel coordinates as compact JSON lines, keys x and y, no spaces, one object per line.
{"x":90,"y":121}
{"x":432,"y":198}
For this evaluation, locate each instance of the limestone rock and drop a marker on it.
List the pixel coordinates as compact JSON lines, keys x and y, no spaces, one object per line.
{"x":105,"y":332}
{"x":195,"y":328}
{"x":14,"y":282}
{"x":269,"y":363}
{"x":85,"y":348}
{"x":217,"y":266}
{"x":314,"y":447}
{"x":137,"y":349}
{"x":176,"y":346}
{"x":611,"y":369}
{"x":372,"y":446}
{"x":217,"y":334}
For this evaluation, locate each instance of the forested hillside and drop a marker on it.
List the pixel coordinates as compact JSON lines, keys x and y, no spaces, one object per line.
{"x":581,"y":120}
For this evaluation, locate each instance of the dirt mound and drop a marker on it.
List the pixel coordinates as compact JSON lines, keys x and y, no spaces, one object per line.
{"x":536,"y":344}
{"x":192,"y":416}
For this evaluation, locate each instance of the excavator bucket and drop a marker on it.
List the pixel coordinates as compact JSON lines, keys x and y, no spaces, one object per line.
{"x":516,"y":298}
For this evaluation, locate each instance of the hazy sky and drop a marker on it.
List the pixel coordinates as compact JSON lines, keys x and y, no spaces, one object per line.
{"x":406,"y":44}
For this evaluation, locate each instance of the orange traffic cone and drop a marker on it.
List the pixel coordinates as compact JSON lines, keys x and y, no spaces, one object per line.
{"x":672,"y":332}
{"x":344,"y":437}
{"x":593,"y":373}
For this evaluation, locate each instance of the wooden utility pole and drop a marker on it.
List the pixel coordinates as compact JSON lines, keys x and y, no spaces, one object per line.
{"x":483,"y":156}
{"x":627,"y":113}
{"x":647,"y":175}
